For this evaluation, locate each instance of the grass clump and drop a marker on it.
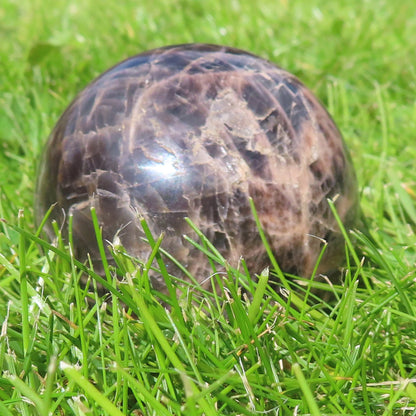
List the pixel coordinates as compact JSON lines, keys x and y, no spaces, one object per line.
{"x":242,"y":347}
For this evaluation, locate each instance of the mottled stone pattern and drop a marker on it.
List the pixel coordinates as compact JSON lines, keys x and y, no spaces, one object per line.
{"x":193,"y":131}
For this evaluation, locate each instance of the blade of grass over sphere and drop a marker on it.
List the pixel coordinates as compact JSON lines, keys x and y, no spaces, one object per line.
{"x":179,"y":266}
{"x":114,"y":303}
{"x":100,"y":333}
{"x":42,"y":224}
{"x":258,"y":295}
{"x":163,"y":270}
{"x":215,"y":258}
{"x":298,"y":302}
{"x":44,"y":220}
{"x":347,"y":309}
{"x":350,"y":248}
{"x":218,"y":257}
{"x":75,"y":279}
{"x":246,"y":272}
{"x":99,"y":238}
{"x":65,"y":256}
{"x":153,"y":255}
{"x":353,"y":253}
{"x":310,"y":281}
{"x":58,"y":233}
{"x":191,"y":389}
{"x":238,"y":314}
{"x":90,"y":390}
{"x":213,"y":255}
{"x":266,"y":245}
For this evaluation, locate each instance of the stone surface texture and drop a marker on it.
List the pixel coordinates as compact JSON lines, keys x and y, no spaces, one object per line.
{"x":194,"y":131}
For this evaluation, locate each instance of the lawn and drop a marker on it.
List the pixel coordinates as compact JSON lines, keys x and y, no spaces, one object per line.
{"x":225,"y":353}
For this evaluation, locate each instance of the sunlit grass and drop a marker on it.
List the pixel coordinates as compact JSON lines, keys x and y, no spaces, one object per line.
{"x":248,"y":347}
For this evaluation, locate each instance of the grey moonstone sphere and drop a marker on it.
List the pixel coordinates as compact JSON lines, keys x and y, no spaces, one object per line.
{"x":195,"y":131}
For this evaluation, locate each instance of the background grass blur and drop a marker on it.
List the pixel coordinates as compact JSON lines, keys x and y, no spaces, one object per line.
{"x":357,"y":357}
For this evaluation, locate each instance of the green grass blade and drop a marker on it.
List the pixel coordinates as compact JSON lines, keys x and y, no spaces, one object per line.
{"x":90,"y":390}
{"x":307,"y":393}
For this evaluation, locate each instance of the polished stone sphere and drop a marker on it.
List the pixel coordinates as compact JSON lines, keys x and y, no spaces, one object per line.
{"x":195,"y":131}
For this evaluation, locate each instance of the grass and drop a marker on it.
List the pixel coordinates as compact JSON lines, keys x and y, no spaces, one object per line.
{"x":212,"y":353}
